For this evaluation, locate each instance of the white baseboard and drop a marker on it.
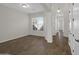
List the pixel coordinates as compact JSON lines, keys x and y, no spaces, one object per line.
{"x":1,"y":41}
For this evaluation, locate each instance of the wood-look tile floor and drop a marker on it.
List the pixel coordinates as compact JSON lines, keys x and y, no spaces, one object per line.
{"x":34,"y":45}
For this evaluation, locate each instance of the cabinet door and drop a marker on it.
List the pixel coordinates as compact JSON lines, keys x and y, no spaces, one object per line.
{"x":76,"y":28}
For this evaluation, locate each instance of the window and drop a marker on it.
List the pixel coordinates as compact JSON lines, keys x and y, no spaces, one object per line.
{"x":37,"y":23}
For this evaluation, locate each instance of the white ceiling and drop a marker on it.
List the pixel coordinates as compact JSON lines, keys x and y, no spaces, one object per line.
{"x":34,"y":7}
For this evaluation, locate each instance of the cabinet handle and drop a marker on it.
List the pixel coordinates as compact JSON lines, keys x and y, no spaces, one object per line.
{"x":76,"y":40}
{"x":73,"y":34}
{"x":73,"y":50}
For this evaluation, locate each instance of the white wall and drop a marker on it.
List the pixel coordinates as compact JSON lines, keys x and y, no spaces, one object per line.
{"x":13,"y":24}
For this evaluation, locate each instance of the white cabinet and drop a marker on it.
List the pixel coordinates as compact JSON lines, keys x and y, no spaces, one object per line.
{"x":74,"y":36}
{"x":76,"y":48}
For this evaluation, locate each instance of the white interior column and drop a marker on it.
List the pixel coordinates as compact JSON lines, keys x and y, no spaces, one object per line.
{"x":48,"y":27}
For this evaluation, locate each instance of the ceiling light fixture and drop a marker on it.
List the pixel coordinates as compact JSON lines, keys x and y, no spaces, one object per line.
{"x":25,"y":5}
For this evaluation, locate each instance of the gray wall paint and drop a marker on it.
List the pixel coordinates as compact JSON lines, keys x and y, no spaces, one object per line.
{"x":13,"y":24}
